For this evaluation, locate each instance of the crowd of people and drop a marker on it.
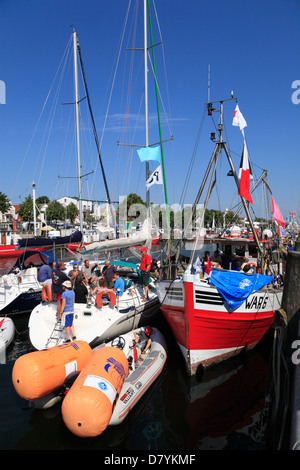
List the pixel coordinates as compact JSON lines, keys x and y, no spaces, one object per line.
{"x":273,"y":253}
{"x":203,"y":267}
{"x":81,"y":285}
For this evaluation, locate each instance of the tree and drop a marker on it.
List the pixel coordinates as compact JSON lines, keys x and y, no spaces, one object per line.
{"x":124,"y":207}
{"x":72,"y":212}
{"x":55,"y":211}
{"x":26,"y":209}
{"x":42,"y":200}
{"x":5,"y":204}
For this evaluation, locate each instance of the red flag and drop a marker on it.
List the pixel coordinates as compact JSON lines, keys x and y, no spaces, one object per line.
{"x":207,"y":267}
{"x":244,"y":175}
{"x":277,"y":214}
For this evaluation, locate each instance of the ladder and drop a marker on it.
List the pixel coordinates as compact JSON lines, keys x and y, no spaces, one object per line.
{"x":56,"y":334}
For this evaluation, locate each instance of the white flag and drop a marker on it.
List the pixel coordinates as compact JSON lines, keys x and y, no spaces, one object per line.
{"x":155,"y":178}
{"x":238,"y":119}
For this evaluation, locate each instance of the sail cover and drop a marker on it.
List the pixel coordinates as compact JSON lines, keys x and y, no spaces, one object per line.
{"x":236,"y":286}
{"x":75,"y":237}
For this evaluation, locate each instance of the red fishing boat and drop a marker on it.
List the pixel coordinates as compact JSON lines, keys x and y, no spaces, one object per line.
{"x":213,"y":319}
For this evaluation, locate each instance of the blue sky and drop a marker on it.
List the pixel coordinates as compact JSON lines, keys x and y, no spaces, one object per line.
{"x":252,"y":48}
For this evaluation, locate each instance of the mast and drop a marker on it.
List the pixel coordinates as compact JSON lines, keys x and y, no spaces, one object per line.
{"x":34,"y":208}
{"x":146,"y":104}
{"x":159,"y":128}
{"x":77,"y":126}
{"x":96,"y":140}
{"x":219,"y":145}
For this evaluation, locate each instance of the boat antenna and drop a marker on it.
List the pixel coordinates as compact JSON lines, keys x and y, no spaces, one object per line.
{"x":208,"y":85}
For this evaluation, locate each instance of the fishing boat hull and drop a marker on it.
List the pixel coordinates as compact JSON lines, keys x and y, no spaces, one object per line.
{"x":205,"y":329}
{"x":12,"y":251}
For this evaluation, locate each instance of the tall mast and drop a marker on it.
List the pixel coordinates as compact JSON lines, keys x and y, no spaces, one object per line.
{"x":146,"y":103}
{"x":77,"y":125}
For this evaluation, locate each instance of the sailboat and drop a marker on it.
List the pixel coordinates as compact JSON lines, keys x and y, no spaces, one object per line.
{"x":216,"y":318}
{"x":100,"y":321}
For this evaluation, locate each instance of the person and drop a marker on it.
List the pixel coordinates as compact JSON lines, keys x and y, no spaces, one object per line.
{"x":108,"y":273}
{"x":216,"y":259}
{"x":58,"y":277}
{"x":93,"y":283}
{"x":154,"y":271}
{"x":118,"y":284}
{"x":80,"y":289}
{"x":143,"y":337}
{"x":87,"y":269}
{"x":45,"y":279}
{"x":73,"y":273}
{"x":145,"y":267}
{"x":248,"y":268}
{"x":67,"y":308}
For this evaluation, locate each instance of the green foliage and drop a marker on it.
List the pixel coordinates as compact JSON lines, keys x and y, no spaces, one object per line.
{"x":42,"y":200}
{"x":55,"y":211}
{"x":72,"y":212}
{"x":26,"y":209}
{"x":4,"y":203}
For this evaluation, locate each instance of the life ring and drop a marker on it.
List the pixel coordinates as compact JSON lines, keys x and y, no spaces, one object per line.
{"x":251,"y":264}
{"x":111,"y":295}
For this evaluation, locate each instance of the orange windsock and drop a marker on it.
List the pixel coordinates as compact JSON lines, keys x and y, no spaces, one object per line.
{"x":40,"y":372}
{"x":88,"y":406}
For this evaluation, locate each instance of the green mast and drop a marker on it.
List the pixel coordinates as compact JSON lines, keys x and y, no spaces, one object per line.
{"x":159,"y":125}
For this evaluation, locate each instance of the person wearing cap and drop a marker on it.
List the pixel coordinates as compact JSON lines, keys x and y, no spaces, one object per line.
{"x":145,"y":267}
{"x":67,"y":308}
{"x":144,"y":336}
{"x":58,"y":277}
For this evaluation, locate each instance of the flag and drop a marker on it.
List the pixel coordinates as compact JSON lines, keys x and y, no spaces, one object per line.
{"x":244,"y":175}
{"x":241,"y":162}
{"x":238,"y":119}
{"x":149,"y":153}
{"x":277,"y":214}
{"x":155,"y":178}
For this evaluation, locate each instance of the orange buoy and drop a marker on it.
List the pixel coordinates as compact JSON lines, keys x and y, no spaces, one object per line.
{"x":37,"y":373}
{"x":111,"y":295}
{"x":88,"y":406}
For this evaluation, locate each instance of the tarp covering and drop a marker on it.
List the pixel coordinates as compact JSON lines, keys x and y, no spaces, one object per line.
{"x":235,"y":287}
{"x":33,"y":258}
{"x":75,"y":237}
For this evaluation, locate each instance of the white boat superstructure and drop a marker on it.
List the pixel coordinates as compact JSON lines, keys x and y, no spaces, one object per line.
{"x":99,"y":321}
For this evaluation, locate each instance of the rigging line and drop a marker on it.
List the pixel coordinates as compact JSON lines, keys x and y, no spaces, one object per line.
{"x":126,"y":120}
{"x":40,"y":116}
{"x":50,"y":123}
{"x":158,"y":89}
{"x":164,"y":61}
{"x":183,"y":193}
{"x":113,"y":81}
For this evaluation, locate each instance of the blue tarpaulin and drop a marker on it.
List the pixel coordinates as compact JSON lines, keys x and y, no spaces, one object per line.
{"x":235,"y":287}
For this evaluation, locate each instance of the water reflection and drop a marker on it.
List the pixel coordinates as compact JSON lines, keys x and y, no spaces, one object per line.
{"x":226,"y":410}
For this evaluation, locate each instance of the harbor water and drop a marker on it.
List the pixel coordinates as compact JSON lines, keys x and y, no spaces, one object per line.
{"x":225,"y":410}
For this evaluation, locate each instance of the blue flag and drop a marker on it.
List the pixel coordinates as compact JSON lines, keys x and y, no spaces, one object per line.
{"x":149,"y":153}
{"x":235,"y":287}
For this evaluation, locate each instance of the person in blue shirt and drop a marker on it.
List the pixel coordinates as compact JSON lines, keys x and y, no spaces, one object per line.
{"x":118,"y":284}
{"x":45,"y":279}
{"x":67,"y":305}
